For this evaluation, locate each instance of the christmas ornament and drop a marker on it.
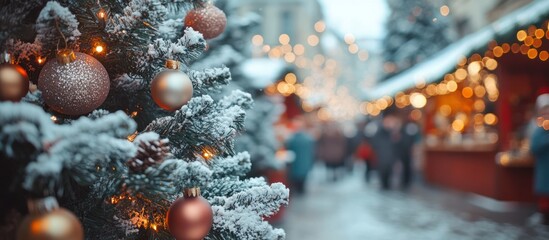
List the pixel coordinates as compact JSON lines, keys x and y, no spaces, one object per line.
{"x":74,"y":83}
{"x":46,"y":220}
{"x":14,"y":81}
{"x":208,"y":20}
{"x":171,"y":88}
{"x":151,"y":150}
{"x":190,"y":217}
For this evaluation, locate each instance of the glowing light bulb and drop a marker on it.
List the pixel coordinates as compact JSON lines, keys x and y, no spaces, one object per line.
{"x":99,"y":49}
{"x":101,"y":14}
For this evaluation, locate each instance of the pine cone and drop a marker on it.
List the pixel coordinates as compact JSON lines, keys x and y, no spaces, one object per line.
{"x":151,"y":150}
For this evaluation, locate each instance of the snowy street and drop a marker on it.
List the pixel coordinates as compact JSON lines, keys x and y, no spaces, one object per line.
{"x":353,"y":210}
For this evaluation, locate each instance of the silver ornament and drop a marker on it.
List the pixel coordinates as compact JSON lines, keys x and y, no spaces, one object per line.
{"x":208,"y":20}
{"x":74,"y":84}
{"x":171,"y":88}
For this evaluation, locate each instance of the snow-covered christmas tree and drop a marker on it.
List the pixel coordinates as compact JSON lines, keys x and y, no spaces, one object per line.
{"x":415,"y":31}
{"x":232,"y":50}
{"x":127,"y":136}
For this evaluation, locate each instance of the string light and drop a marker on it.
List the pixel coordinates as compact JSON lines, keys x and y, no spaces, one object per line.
{"x":99,"y":49}
{"x":102,"y":14}
{"x":40,"y":60}
{"x":132,"y":136}
{"x":207,"y":154}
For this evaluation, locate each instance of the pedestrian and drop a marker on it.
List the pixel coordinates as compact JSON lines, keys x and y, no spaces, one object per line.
{"x":365,"y":154}
{"x":409,"y":135}
{"x":385,"y":138}
{"x":540,"y":149}
{"x":332,"y":147}
{"x":301,"y":143}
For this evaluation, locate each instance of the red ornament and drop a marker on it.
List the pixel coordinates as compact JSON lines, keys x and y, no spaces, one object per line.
{"x":208,"y":20}
{"x":190,"y":217}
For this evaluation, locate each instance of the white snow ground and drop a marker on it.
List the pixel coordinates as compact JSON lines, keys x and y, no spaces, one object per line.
{"x":352,"y":210}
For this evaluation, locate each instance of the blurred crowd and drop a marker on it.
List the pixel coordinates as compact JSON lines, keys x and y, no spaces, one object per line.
{"x":385,"y":145}
{"x":388,"y":146}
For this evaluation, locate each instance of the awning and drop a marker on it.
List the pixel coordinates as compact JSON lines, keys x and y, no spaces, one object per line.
{"x":443,"y":62}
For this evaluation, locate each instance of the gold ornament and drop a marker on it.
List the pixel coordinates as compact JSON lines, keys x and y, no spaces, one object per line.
{"x":171,"y":88}
{"x":48,"y":221}
{"x":14,"y":80}
{"x":190,"y":217}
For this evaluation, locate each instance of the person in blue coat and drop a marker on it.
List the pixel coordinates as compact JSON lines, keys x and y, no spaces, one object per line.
{"x":303,"y":146}
{"x":539,"y":145}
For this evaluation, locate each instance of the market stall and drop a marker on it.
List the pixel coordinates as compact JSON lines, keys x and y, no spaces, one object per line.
{"x":475,"y":100}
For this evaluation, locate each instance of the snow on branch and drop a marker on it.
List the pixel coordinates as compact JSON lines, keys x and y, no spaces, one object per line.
{"x":185,"y":49}
{"x":199,"y":124}
{"x":117,"y":124}
{"x":228,"y":186}
{"x":137,"y":14}
{"x":237,"y":98}
{"x":52,"y":19}
{"x":263,"y":200}
{"x":85,"y":150}
{"x":169,"y":178}
{"x":209,"y":79}
{"x":238,"y":165}
{"x":85,"y":157}
{"x":241,"y":215}
{"x":23,"y":129}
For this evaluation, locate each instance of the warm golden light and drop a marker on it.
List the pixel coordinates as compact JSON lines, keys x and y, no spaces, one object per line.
{"x":353,"y":48}
{"x":207,"y":154}
{"x":467,"y":92}
{"x":480,"y":91}
{"x":498,"y":51}
{"x":132,"y":137}
{"x":521,"y":35}
{"x":320,"y":26}
{"x":539,"y":33}
{"x":532,"y":53}
{"x":458,"y":125}
{"x":284,"y":39}
{"x":452,"y":86}
{"x":445,"y":110}
{"x":286,"y":48}
{"x":290,"y":78}
{"x":99,"y":49}
{"x":544,"y":55}
{"x":299,"y":49}
{"x":461,"y":74}
{"x":40,"y":60}
{"x":491,"y":64}
{"x":474,"y":68}
{"x":418,"y":100}
{"x":313,"y":40}
{"x":479,"y":105}
{"x":101,"y":14}
{"x":490,"y":119}
{"x":529,"y":41}
{"x":53,"y":118}
{"x":257,"y":40}
{"x":444,"y":10}
{"x":416,"y":114}
{"x":289,"y":57}
{"x":349,"y":38}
